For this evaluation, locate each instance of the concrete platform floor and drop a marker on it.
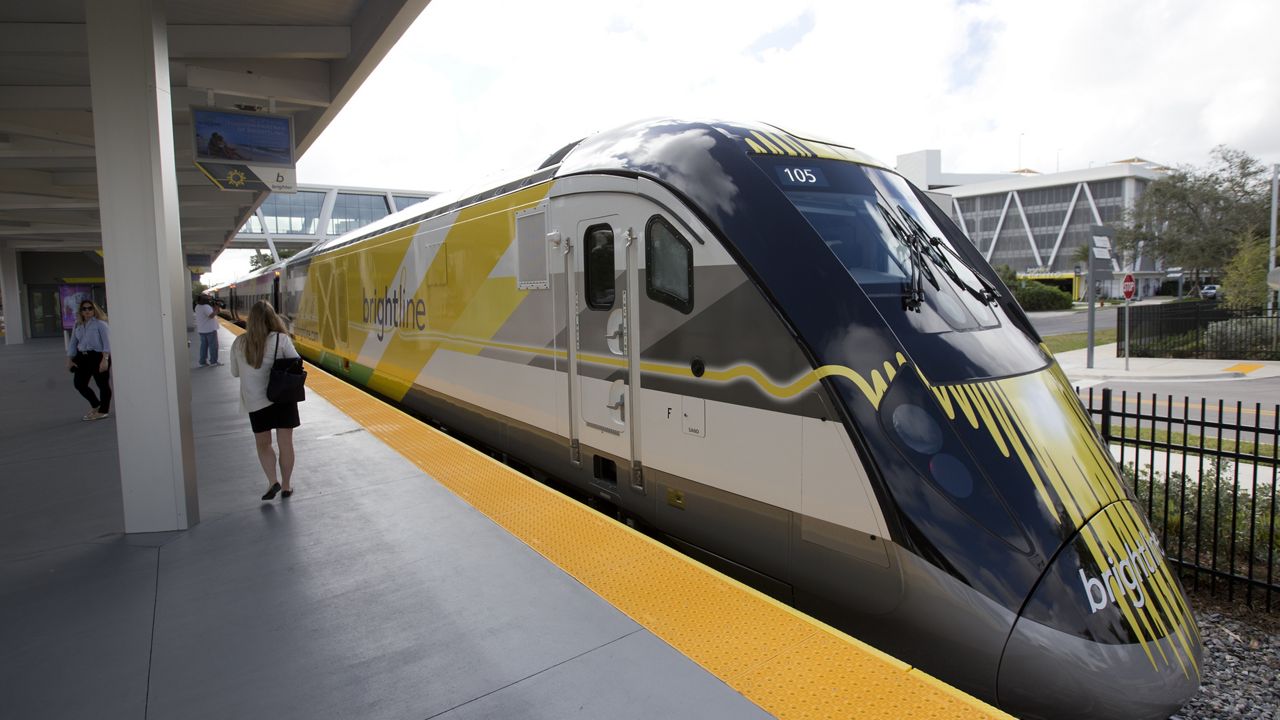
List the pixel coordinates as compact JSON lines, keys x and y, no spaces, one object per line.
{"x":372,"y":593}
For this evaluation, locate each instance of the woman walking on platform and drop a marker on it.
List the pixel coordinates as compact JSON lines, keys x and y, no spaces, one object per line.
{"x":89,"y":356}
{"x":265,"y":335}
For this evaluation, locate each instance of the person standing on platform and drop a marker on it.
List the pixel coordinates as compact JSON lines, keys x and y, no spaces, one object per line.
{"x":252,"y":354}
{"x":207,"y":326}
{"x":89,"y":356}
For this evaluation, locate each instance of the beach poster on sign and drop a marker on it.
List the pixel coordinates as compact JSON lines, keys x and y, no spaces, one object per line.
{"x":223,"y":136}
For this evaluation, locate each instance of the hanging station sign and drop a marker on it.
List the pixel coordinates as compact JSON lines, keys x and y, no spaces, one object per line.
{"x":244,"y":150}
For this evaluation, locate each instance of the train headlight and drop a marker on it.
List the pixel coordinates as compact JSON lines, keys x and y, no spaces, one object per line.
{"x":917,"y":429}
{"x":946,"y":468}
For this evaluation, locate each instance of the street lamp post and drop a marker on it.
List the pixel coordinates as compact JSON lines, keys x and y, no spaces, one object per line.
{"x":1099,"y":251}
{"x":1271,"y":256}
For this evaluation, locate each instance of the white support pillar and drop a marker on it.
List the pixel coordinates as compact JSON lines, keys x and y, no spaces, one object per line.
{"x":144,"y":262}
{"x":326,"y":213}
{"x":1066,"y":221}
{"x":189,"y":311}
{"x":15,"y":320}
{"x":1031,"y":238}
{"x":999,"y":226}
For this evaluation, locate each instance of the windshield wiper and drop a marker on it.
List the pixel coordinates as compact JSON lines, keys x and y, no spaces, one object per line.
{"x":921,"y":245}
{"x":986,"y":293}
{"x":917,"y":245}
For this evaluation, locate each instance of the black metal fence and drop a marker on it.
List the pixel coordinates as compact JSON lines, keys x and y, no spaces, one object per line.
{"x":1206,"y":476}
{"x":1200,"y":329}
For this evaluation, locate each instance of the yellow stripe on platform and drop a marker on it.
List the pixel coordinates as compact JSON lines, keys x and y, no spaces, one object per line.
{"x":790,"y":665}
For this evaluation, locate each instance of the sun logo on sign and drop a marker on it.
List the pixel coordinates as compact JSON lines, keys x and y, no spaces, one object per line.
{"x":236,"y":178}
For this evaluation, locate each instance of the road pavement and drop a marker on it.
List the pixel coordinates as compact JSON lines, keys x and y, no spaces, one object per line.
{"x":1060,"y":322}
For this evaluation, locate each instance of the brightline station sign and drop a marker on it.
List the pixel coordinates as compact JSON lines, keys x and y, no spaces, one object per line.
{"x":244,"y":150}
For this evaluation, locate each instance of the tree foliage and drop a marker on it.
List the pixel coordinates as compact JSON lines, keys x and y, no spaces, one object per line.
{"x":1007,"y":275}
{"x":1244,"y":284}
{"x":1195,"y":217}
{"x":260,"y":260}
{"x":197,"y":289}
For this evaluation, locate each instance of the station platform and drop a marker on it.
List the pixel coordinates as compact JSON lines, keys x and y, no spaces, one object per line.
{"x":409,"y":576}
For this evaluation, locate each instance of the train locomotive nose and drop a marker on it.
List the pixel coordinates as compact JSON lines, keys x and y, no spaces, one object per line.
{"x":1107,"y":632}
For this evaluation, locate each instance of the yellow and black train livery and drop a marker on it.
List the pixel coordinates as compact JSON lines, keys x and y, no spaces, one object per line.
{"x":780,"y":356}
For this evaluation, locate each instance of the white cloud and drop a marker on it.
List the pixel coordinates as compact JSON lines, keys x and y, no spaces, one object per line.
{"x":478,"y":86}
{"x":231,"y":265}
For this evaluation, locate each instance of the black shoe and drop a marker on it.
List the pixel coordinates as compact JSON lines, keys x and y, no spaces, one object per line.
{"x":271,"y":494}
{"x":285,"y":493}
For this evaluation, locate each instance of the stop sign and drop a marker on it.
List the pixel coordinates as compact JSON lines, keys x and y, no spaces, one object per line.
{"x":1129,"y":286}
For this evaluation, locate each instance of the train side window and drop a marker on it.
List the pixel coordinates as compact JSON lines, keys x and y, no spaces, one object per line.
{"x":669,"y":259}
{"x":598,"y":252}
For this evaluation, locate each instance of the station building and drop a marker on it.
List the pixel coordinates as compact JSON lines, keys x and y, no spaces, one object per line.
{"x":1036,"y":223}
{"x":316,"y":213}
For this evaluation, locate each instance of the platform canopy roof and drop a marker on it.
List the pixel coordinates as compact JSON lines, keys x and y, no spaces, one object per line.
{"x":307,"y":56}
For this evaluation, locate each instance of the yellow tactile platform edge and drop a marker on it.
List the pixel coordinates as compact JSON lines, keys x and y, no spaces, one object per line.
{"x":787,"y":663}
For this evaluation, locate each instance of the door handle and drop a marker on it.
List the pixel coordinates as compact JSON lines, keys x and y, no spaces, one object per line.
{"x":615,"y":335}
{"x":622,"y":401}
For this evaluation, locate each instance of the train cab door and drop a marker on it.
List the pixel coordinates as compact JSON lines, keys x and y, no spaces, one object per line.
{"x":599,"y":242}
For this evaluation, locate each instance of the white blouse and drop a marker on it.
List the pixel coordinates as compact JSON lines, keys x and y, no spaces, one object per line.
{"x":253,"y":380}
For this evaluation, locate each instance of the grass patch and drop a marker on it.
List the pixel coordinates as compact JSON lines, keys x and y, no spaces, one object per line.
{"x":1077,"y":340}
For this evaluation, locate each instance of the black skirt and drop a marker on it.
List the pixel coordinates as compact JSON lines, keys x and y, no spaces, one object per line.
{"x":274,"y":417}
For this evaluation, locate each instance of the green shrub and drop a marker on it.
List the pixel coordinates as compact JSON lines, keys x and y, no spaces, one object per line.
{"x":1195,"y":520}
{"x":1250,"y":338}
{"x":1033,"y":296}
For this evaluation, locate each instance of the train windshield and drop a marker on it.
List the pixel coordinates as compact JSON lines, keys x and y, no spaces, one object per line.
{"x":872,"y":221}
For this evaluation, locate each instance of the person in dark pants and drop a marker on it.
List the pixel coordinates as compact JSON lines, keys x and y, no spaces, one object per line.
{"x":89,"y":356}
{"x":252,"y":354}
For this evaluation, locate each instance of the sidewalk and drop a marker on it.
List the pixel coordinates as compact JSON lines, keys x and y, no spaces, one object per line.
{"x":1106,"y":366}
{"x":373,"y":593}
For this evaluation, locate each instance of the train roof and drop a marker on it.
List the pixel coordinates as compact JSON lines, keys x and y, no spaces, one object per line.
{"x":666,"y":142}
{"x":660,"y":147}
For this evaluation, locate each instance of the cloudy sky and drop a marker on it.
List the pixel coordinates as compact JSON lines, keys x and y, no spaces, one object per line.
{"x":481,"y":87}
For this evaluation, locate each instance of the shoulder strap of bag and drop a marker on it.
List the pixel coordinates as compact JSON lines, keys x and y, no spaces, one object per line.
{"x":276,"y":353}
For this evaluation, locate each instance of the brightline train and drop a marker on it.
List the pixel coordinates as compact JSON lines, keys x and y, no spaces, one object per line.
{"x":782,"y":357}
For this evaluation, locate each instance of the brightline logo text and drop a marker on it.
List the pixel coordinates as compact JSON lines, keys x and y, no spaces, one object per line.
{"x":394,"y":309}
{"x":1136,"y":566}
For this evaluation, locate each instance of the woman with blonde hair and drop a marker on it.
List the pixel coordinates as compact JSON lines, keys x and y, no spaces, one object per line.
{"x":89,"y":356}
{"x":252,"y":355}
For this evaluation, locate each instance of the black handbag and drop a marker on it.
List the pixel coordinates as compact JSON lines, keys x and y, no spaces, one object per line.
{"x":287,"y":380}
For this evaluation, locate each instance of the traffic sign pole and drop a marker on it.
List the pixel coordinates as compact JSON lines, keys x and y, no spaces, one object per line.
{"x":1271,"y":255}
{"x":1127,"y":306}
{"x":1130,"y":286}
